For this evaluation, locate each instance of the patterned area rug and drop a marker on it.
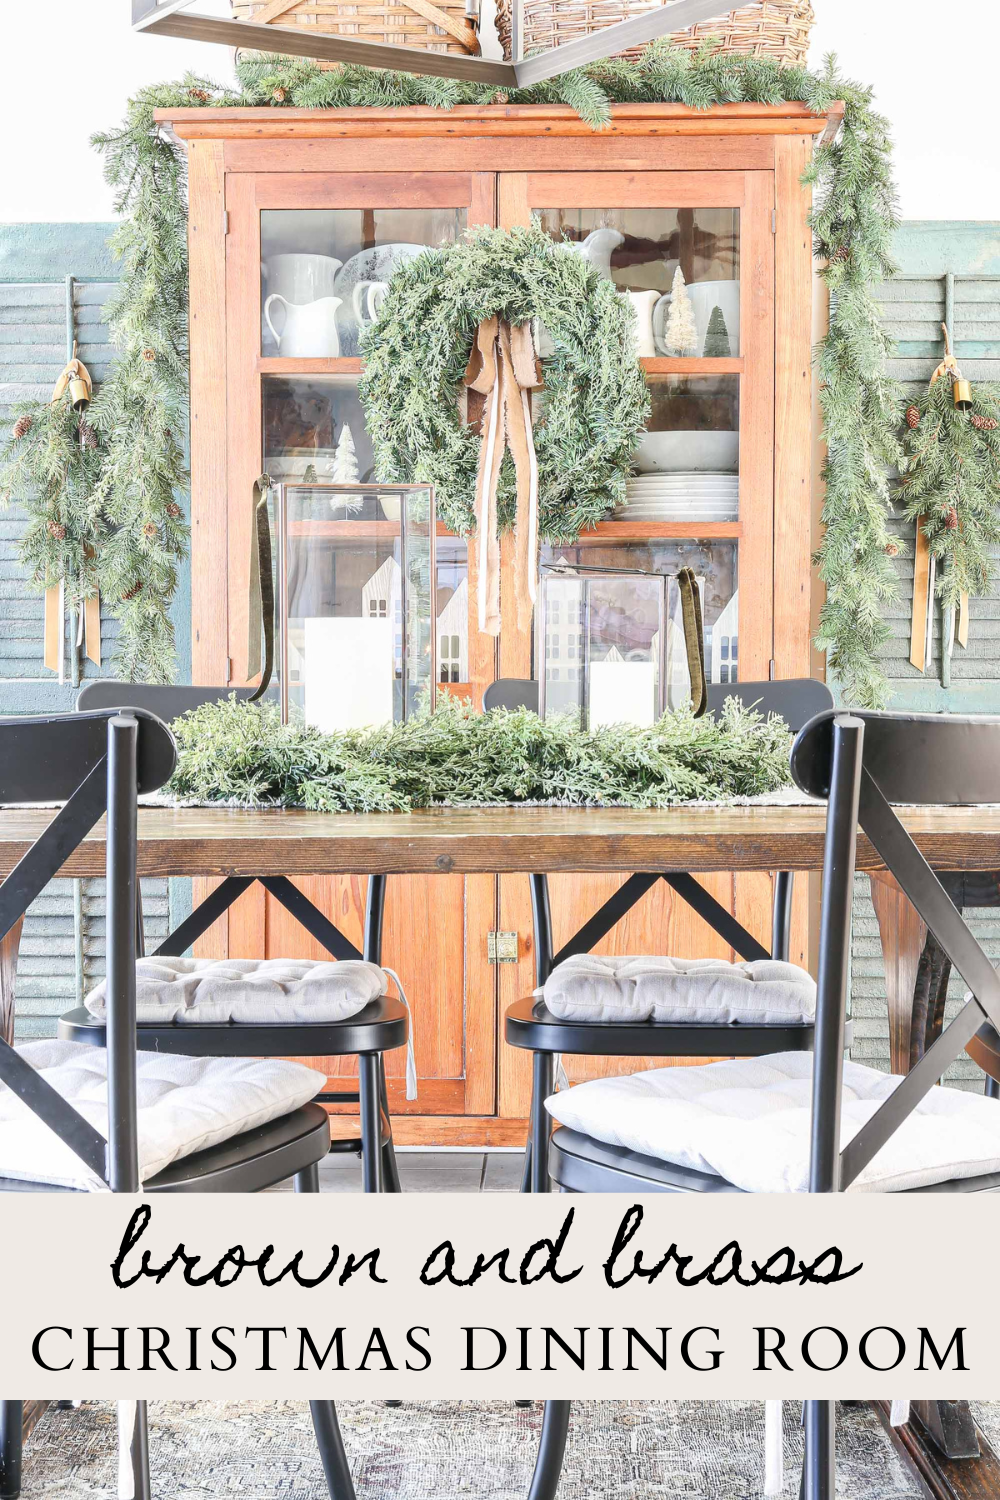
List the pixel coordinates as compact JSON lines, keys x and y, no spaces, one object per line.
{"x":437,"y":1450}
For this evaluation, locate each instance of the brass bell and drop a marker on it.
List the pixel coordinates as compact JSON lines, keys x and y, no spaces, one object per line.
{"x":79,"y":393}
{"x":962,"y":395}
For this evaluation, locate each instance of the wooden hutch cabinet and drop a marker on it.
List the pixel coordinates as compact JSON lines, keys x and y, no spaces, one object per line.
{"x":715,"y":192}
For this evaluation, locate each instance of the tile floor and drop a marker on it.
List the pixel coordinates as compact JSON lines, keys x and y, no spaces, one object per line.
{"x":430,"y":1172}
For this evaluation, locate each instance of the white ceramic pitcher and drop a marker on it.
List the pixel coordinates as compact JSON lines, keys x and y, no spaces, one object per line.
{"x":598,"y":248}
{"x":309,"y":330}
{"x":301,"y":278}
{"x":644,"y":302}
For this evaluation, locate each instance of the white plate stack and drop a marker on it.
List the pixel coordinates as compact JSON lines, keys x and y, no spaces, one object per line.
{"x":681,"y":497}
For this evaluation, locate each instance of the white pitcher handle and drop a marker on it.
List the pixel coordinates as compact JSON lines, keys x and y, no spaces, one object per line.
{"x":358,"y":298}
{"x":275,"y":297}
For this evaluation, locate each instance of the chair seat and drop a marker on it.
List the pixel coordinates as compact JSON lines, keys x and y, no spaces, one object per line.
{"x":530,"y":1024}
{"x":246,"y":1163}
{"x":248,"y":991}
{"x":380,"y":1027}
{"x":186,"y":1105}
{"x":747,"y":1121}
{"x":579,"y":1164}
{"x":706,"y":991}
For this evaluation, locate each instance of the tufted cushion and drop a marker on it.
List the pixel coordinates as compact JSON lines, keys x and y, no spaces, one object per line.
{"x":255,"y":991}
{"x":185,"y":1105}
{"x":589,"y":987}
{"x":748,"y":1121}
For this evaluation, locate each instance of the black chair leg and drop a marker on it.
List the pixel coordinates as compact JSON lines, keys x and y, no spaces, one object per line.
{"x":307,"y":1181}
{"x":551,"y":1450}
{"x":371,"y":1121}
{"x":390,"y":1171}
{"x":11,"y":1421}
{"x":542,"y":1085}
{"x":331,"y":1450}
{"x":992,"y":1090}
{"x":820,"y":1468}
{"x":141,"y":1485}
{"x":526,"y":1170}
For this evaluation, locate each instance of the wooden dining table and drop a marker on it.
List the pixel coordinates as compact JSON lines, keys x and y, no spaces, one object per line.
{"x":221,"y":842}
{"x":229,"y":842}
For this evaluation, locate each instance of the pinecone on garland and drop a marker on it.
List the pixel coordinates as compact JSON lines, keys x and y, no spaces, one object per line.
{"x":838,"y":256}
{"x":500,"y":97}
{"x":88,"y":437}
{"x":279,"y":95}
{"x":201,"y":95}
{"x":150,"y":530}
{"x":892,"y":549}
{"x":173,"y":510}
{"x":951,"y":518}
{"x":22,"y":426}
{"x":149,"y":355}
{"x":979,"y":422}
{"x":912,"y":417}
{"x":131,"y":593}
{"x":56,"y":530}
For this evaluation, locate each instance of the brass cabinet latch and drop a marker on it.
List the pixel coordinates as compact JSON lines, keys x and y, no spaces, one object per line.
{"x":501,"y":947}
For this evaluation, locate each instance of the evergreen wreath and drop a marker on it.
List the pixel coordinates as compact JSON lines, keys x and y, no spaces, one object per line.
{"x":596,"y":402}
{"x":241,"y":753}
{"x":853,"y":221}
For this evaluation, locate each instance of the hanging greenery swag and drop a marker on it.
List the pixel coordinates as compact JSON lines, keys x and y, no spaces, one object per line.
{"x":950,"y":482}
{"x":853,"y":219}
{"x":242,"y":754}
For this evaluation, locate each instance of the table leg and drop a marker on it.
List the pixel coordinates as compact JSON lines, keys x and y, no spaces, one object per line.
{"x":902,"y":933}
{"x":948,"y":1424}
{"x":9,"y":946}
{"x":945,"y":1478}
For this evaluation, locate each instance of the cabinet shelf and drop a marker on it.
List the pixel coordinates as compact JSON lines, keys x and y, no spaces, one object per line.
{"x":352,"y":365}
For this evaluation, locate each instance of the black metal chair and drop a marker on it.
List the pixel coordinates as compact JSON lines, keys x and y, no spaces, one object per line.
{"x":381,"y":1027}
{"x":530,"y":1025}
{"x":97,"y":763}
{"x":860,"y":763}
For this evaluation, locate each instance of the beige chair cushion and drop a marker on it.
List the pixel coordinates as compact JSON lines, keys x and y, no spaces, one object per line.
{"x":254,"y":991}
{"x":747,"y":1120}
{"x":593,"y":987}
{"x":185,"y":1104}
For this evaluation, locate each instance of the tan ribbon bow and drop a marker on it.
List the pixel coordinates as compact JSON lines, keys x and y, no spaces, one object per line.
{"x":503,"y":368}
{"x":949,"y":365}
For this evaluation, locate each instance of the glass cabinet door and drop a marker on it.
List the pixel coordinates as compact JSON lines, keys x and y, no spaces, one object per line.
{"x":694,"y":252}
{"x":309,"y":258}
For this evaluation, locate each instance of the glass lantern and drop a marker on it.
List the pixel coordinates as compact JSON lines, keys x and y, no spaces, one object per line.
{"x":609,"y":644}
{"x":355,"y":586}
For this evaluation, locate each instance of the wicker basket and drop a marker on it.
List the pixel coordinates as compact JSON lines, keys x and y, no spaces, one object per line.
{"x":434,"y":25}
{"x":778,"y":28}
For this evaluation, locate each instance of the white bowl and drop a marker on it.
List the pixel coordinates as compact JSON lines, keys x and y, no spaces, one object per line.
{"x":707,"y":452}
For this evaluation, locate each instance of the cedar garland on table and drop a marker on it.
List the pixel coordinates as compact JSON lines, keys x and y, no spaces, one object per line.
{"x":241,"y":753}
{"x":853,"y":221}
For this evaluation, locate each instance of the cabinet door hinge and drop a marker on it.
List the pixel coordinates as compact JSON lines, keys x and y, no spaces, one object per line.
{"x":770,"y":670}
{"x":774,"y":221}
{"x":501,"y":947}
{"x":225,"y":221}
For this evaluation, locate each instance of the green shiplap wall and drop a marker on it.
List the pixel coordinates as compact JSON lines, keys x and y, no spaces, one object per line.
{"x":913,"y":308}
{"x":35,"y":260}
